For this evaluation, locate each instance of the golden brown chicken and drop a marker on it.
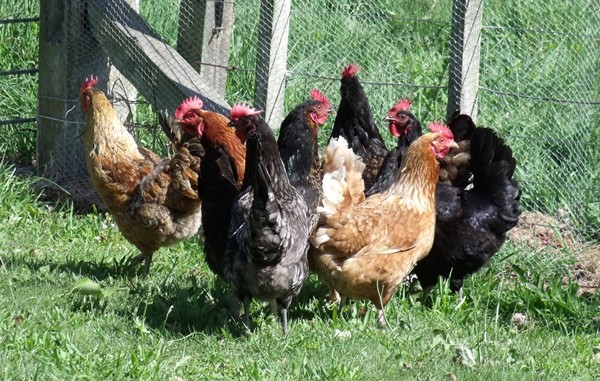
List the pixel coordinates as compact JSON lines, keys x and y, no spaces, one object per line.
{"x":154,"y":201}
{"x":366,"y":246}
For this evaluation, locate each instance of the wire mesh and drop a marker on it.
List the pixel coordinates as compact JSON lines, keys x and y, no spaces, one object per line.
{"x":538,"y":86}
{"x":18,"y":69}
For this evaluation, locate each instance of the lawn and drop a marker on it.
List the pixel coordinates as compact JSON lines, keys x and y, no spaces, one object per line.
{"x":73,"y":308}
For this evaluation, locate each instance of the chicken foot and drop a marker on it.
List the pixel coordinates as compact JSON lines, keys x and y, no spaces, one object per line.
{"x":276,"y":311}
{"x":146,"y":258}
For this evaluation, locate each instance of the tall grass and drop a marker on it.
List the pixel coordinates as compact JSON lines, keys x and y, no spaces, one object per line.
{"x":18,"y":94}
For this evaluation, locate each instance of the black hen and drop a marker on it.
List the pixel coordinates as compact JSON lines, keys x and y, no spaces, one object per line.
{"x":354,"y":122}
{"x":472,"y":222}
{"x":219,"y":190}
{"x":266,"y":252}
{"x":221,"y":174}
{"x":407,"y":128}
{"x":298,"y":146}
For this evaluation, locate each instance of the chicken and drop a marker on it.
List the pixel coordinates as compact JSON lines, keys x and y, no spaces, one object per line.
{"x":222,"y":172}
{"x":472,"y":218}
{"x":298,"y":146}
{"x":454,"y":168}
{"x":472,"y":221}
{"x":154,"y":201}
{"x":407,"y":128}
{"x":354,"y":122}
{"x":265,"y":256}
{"x":367,"y":245}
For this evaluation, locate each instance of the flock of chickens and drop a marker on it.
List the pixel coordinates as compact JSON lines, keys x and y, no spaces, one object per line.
{"x":361,"y":216}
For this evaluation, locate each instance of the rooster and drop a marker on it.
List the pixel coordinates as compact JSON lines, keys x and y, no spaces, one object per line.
{"x":154,"y":201}
{"x":477,"y":203}
{"x":406,"y":128}
{"x":354,"y":122}
{"x":222,"y":173}
{"x":367,"y":245}
{"x":265,"y":256}
{"x":298,"y":146}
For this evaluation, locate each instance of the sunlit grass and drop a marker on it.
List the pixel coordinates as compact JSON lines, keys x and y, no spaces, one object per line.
{"x":177,"y":321}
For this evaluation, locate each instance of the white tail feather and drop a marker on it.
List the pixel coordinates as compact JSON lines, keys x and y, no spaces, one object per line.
{"x":343,"y":186}
{"x":343,"y":174}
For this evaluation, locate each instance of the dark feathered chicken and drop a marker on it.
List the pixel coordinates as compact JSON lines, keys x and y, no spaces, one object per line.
{"x":222,"y":171}
{"x":472,"y":221}
{"x":298,"y":146}
{"x":354,"y":122}
{"x":407,"y":128}
{"x":265,"y":256}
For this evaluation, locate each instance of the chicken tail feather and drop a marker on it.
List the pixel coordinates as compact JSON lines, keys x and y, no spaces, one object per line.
{"x":343,"y":186}
{"x":493,"y":166}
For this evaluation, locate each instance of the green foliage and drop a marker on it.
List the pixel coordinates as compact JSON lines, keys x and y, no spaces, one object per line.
{"x":535,"y":79}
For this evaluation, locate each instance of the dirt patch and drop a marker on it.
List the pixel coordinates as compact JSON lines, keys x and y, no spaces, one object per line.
{"x":548,"y":233}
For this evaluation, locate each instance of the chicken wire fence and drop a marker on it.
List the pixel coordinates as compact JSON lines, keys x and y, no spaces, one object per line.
{"x":538,"y":82}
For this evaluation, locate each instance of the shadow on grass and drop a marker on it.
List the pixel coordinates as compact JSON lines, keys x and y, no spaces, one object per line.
{"x":184,"y":310}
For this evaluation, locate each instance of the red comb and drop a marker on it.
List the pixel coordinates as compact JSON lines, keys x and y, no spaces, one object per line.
{"x":241,"y":110}
{"x":187,"y":105}
{"x":442,"y":129}
{"x":402,"y":105}
{"x":89,"y":83}
{"x":316,"y":95}
{"x":350,"y":70}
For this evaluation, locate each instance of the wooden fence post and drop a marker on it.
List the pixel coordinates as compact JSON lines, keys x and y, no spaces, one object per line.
{"x":209,"y":21}
{"x":158,"y":72}
{"x":465,"y":43}
{"x":272,"y":51}
{"x":68,"y":53}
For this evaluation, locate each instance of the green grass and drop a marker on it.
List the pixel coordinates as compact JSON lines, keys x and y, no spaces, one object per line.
{"x":18,"y":94}
{"x":176,"y":322}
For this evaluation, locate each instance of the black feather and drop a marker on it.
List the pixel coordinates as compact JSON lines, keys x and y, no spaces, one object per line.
{"x":299,"y":151}
{"x":389,"y":168}
{"x":266,"y":254}
{"x":471,"y":225}
{"x":354,"y":121}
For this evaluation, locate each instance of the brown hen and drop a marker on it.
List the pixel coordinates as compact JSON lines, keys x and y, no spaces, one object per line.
{"x":366,"y":246}
{"x":154,"y":201}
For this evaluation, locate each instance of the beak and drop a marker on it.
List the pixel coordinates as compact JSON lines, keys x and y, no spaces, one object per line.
{"x":388,"y":119}
{"x":453,"y":144}
{"x":331,"y":111}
